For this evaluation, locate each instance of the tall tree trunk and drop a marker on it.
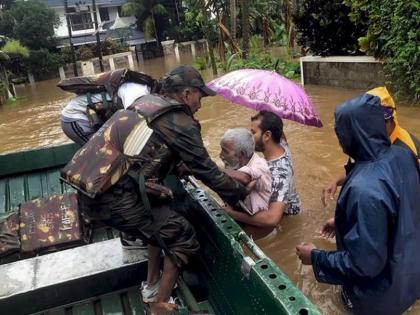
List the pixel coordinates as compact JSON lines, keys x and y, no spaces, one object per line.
{"x":245,"y":28}
{"x":289,"y":6}
{"x":232,"y":10}
{"x":154,"y":28}
{"x":206,"y":28}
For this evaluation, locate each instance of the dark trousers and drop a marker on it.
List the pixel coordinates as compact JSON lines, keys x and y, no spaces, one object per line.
{"x":122,"y":208}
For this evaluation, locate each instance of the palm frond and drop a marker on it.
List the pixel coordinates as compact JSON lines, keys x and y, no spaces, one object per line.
{"x":159,"y":9}
{"x":129,"y":8}
{"x":148,"y":28}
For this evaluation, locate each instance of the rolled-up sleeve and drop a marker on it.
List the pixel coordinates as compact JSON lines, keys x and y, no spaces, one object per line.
{"x":182,"y":134}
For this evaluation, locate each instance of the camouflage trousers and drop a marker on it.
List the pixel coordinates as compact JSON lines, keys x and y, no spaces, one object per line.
{"x":121,"y":207}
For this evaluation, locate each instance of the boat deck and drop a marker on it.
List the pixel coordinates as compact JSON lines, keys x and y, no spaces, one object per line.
{"x":32,"y":174}
{"x":231,"y":275}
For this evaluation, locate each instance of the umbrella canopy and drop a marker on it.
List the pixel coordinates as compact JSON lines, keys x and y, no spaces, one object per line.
{"x":267,"y":90}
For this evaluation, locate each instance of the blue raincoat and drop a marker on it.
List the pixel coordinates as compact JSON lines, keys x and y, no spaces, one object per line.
{"x":377,"y":218}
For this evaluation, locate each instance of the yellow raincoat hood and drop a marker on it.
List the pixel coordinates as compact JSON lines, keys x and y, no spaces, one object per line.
{"x":398,"y":132}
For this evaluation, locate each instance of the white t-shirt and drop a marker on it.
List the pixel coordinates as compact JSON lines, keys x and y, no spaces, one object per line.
{"x":128,"y":92}
{"x":76,"y":108}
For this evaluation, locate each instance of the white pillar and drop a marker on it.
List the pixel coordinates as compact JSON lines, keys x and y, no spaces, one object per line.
{"x":302,"y":78}
{"x":111,"y":63}
{"x":193,"y":52}
{"x":14,"y":89}
{"x":177,"y":57}
{"x":62,"y":73}
{"x":88,"y":68}
{"x":130,"y":61}
{"x":31,"y":78}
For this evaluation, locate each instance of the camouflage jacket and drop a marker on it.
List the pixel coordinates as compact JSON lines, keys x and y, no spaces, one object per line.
{"x":177,"y":137}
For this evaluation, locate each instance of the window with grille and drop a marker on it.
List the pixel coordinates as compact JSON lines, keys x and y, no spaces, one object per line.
{"x":80,"y":20}
{"x":103,"y":13}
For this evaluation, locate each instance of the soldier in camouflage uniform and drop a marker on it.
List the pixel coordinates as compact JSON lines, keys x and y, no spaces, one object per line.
{"x":176,"y":138}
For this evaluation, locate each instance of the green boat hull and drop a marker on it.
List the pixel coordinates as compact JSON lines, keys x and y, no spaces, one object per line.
{"x":230,"y":276}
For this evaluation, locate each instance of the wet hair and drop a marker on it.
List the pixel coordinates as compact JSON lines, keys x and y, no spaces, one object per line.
{"x":242,"y":139}
{"x":270,"y":122}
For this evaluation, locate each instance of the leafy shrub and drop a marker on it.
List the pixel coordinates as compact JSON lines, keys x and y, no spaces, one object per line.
{"x":66,"y":54}
{"x":110,"y":46}
{"x":32,"y":23}
{"x":265,"y":61}
{"x":85,"y":52}
{"x":324,"y":28}
{"x":201,"y":63}
{"x":392,"y":35}
{"x":190,"y":29}
{"x":15,"y":49}
{"x":41,"y":62}
{"x":255,"y":43}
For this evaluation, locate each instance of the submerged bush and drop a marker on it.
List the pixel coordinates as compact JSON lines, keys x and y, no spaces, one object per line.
{"x":264,"y":61}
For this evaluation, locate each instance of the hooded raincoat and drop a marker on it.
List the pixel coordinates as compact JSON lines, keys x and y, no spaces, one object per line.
{"x":399,"y":135}
{"x":377,"y":218}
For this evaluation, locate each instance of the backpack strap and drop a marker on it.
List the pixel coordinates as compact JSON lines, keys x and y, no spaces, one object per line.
{"x":139,"y":178}
{"x":89,"y":98}
{"x":105,"y":100}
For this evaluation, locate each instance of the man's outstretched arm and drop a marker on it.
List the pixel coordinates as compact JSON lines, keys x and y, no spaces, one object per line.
{"x":268,"y":218}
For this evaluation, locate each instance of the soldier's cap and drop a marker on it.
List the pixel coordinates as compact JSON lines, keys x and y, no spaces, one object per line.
{"x":187,"y":76}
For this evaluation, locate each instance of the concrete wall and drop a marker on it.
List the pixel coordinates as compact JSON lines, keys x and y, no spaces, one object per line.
{"x":348,"y":72}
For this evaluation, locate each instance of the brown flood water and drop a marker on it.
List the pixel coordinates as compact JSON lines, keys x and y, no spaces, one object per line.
{"x":317,"y":158}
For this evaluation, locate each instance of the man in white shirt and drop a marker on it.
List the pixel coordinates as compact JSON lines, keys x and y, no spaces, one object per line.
{"x":75,"y":121}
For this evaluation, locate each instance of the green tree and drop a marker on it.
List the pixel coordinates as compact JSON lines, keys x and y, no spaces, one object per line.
{"x":7,"y":23}
{"x":13,"y":48}
{"x":42,"y":62}
{"x":30,"y":22}
{"x":6,"y":4}
{"x":145,"y":12}
{"x":392,"y":35}
{"x":246,"y":34}
{"x":4,"y":79}
{"x":233,"y":20}
{"x":324,"y":28}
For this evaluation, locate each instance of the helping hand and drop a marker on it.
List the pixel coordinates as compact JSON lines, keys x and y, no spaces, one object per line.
{"x":303,"y":251}
{"x":328,"y":229}
{"x":328,"y":193}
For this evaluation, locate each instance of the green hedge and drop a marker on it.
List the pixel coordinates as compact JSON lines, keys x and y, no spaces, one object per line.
{"x":324,"y":28}
{"x":393,"y":35}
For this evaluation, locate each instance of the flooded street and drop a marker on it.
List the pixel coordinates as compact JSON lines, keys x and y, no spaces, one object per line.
{"x":317,"y":158}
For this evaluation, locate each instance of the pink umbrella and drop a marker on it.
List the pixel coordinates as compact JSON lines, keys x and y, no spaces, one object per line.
{"x":267,"y":90}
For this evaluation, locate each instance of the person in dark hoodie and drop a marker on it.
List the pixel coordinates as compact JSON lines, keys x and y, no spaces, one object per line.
{"x":377,"y":217}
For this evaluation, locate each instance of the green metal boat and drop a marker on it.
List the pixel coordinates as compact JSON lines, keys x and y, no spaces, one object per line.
{"x":231,"y":275}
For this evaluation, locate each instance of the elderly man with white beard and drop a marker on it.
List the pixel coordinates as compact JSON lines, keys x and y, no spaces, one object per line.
{"x":243,"y":164}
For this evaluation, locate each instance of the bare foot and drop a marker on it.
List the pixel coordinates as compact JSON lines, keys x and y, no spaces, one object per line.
{"x":162,"y":308}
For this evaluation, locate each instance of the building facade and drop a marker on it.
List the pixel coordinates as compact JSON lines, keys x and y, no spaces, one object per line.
{"x":111,"y":23}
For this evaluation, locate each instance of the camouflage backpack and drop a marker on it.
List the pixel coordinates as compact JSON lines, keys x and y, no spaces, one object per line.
{"x":105,"y":83}
{"x":49,"y":223}
{"x":114,"y":148}
{"x":9,"y":234}
{"x":108,"y":155}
